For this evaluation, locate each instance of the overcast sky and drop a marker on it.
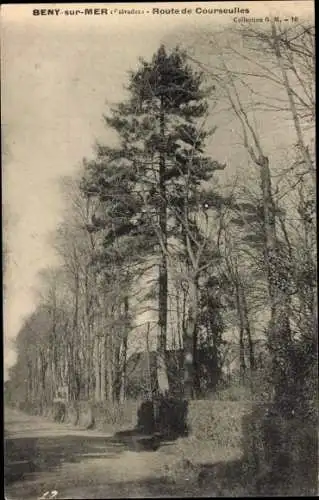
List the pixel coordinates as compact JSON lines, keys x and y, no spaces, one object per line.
{"x":58,"y":74}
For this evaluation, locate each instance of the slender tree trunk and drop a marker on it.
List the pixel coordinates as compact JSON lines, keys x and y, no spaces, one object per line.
{"x":252,"y":361}
{"x":72,"y":370}
{"x":103,"y":369}
{"x":97,"y":371}
{"x":179,"y":322}
{"x":149,"y":371}
{"x":117,"y":369}
{"x":163,"y":279}
{"x":196,"y":364}
{"x":43,"y":368}
{"x":279,"y":336}
{"x":242,"y":363}
{"x":189,"y":340}
{"x":109,"y":368}
{"x":124,"y":349}
{"x":116,"y":357}
{"x":87,"y":338}
{"x":30,"y":385}
{"x":91,"y":364}
{"x":33,"y":376}
{"x":184,"y":318}
{"x":69,"y":370}
{"x":75,"y":335}
{"x":123,"y":389}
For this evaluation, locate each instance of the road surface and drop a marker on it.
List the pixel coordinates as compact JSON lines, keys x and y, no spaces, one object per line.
{"x":42,"y":456}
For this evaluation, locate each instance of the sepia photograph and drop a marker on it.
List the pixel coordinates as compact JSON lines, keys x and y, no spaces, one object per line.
{"x":159,"y":250}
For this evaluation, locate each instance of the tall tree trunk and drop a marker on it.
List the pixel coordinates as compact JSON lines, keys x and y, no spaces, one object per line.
{"x":34,"y":380}
{"x":179,"y":322}
{"x":87,"y":339}
{"x":239,"y":306}
{"x":97,"y":371}
{"x":252,"y":361}
{"x":123,"y":388}
{"x":117,"y":369}
{"x":149,"y":381}
{"x":103,"y":369}
{"x":75,"y":334}
{"x":279,"y":336}
{"x":190,"y":335}
{"x":30,"y":384}
{"x":109,"y":368}
{"x":69,"y":369}
{"x":163,"y":279}
{"x":91,"y":364}
{"x":196,"y":364}
{"x":43,"y":370}
{"x":124,"y":349}
{"x":116,"y":357}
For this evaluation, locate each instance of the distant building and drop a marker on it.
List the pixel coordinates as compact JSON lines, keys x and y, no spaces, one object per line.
{"x":142,"y":371}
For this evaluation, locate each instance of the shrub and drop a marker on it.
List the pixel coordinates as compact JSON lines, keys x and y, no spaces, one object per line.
{"x":170,"y":416}
{"x":235,"y":392}
{"x":281,"y":452}
{"x":145,"y":417}
{"x":115,"y":415}
{"x":218,"y":421}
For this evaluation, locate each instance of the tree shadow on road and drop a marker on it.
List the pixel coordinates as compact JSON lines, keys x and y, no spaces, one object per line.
{"x":37,"y":454}
{"x":26,"y":455}
{"x":33,"y":455}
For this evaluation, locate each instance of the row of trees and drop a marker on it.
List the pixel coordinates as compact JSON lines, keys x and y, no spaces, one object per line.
{"x":155,"y":204}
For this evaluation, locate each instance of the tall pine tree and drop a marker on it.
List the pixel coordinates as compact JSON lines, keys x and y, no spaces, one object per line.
{"x":152,"y":179}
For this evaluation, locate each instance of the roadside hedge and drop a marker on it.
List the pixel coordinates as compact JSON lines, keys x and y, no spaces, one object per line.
{"x":281,"y":452}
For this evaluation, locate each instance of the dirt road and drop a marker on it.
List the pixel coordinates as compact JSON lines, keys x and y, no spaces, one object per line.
{"x":43,"y":456}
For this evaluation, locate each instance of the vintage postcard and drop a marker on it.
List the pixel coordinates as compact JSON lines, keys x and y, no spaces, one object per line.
{"x":159,"y":249}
